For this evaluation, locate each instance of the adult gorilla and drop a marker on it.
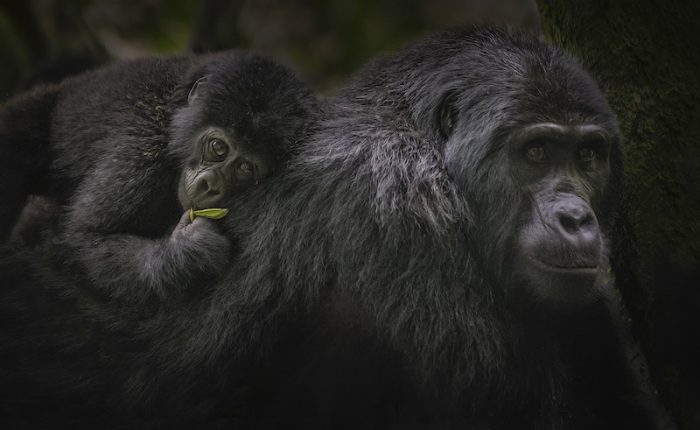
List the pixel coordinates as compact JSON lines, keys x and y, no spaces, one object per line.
{"x":433,"y":258}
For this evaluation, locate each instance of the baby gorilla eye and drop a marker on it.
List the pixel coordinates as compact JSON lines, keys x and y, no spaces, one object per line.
{"x":586,"y":155}
{"x":536,"y":153}
{"x":218,"y":148}
{"x":246,"y":169}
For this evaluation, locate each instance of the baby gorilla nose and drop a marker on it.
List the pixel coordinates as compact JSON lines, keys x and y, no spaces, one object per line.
{"x":209,"y":190}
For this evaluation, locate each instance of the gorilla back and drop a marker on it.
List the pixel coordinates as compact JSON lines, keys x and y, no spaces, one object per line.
{"x":434,"y":257}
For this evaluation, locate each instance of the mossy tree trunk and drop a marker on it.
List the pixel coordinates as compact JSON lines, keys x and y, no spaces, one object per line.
{"x":646,"y":56}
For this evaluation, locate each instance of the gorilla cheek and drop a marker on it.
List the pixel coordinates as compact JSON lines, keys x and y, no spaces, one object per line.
{"x":187,"y":177}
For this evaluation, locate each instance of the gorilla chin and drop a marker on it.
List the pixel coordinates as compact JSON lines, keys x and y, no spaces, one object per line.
{"x":558,"y":268}
{"x":557,"y":285}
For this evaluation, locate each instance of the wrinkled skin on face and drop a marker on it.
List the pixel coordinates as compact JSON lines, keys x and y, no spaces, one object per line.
{"x":217,"y":168}
{"x":564,"y":169}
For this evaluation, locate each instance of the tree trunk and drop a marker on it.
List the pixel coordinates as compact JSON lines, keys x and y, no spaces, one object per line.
{"x":646,"y":56}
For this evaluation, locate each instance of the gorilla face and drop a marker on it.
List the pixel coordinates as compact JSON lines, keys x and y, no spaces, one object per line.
{"x":218,"y":168}
{"x":240,"y":122}
{"x":563,"y":169}
{"x":537,"y":168}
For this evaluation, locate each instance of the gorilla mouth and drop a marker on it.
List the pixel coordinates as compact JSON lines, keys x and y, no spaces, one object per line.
{"x":582,"y":268}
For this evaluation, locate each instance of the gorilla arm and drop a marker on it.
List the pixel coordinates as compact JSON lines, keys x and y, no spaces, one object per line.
{"x":103,"y":226}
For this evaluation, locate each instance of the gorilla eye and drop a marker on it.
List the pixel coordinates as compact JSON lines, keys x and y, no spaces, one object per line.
{"x":218,"y":148}
{"x":246,"y":168}
{"x":536,"y":153}
{"x":586,"y":155}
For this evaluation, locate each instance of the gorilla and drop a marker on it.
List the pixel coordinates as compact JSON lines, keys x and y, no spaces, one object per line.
{"x":128,"y":148}
{"x":435,"y":256}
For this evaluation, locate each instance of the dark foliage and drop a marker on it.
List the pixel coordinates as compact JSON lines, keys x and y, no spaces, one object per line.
{"x":380,"y":282}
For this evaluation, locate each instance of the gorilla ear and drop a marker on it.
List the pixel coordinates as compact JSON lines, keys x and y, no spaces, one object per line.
{"x":194,"y":91}
{"x":447,"y":115}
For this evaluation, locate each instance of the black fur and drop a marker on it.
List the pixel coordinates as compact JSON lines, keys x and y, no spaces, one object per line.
{"x":110,"y":145}
{"x":372,"y":287}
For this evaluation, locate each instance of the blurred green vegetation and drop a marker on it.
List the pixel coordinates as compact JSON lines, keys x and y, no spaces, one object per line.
{"x":325,"y":40}
{"x":50,"y":39}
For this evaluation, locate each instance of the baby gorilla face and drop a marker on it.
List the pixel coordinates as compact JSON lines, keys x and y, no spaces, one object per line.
{"x":217,"y":168}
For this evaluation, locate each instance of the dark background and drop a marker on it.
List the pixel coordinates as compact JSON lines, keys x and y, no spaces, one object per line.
{"x":644,"y":53}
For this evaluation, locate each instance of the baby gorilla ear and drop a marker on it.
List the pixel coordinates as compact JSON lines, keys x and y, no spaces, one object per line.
{"x":446,"y":115}
{"x":194,"y":92}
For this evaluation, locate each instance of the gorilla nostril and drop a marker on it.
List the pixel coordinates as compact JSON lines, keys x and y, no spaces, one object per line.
{"x":203,"y":186}
{"x":208,"y":187}
{"x":568,"y":222}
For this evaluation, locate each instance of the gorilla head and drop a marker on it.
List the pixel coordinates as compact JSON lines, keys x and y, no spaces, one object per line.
{"x":243,"y":118}
{"x":527,"y":147}
{"x":532,"y":144}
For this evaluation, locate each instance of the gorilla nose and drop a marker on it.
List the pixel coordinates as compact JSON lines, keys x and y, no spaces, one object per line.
{"x":209,"y":190}
{"x":208,"y":186}
{"x":576,"y":223}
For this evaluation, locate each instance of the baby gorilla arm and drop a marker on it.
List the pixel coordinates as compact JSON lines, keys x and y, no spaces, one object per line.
{"x":157,"y":267}
{"x":130,"y":267}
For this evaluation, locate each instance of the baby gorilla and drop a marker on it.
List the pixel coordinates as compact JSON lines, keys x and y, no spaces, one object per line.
{"x":128,"y":148}
{"x":219,"y":164}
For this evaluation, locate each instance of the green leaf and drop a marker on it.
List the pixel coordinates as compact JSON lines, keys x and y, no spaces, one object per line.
{"x":211,"y":213}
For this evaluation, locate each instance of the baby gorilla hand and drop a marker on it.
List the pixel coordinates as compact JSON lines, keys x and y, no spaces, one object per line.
{"x":198,"y":248}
